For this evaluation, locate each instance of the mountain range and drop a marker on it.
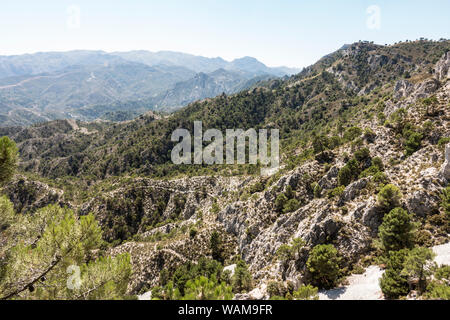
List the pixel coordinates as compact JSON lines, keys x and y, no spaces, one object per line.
{"x":362,"y":191}
{"x":88,"y":85}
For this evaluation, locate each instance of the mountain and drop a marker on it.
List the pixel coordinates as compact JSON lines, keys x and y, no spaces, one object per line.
{"x":365,"y":149}
{"x":207,"y":86}
{"x":86,"y":85}
{"x":202,"y":64}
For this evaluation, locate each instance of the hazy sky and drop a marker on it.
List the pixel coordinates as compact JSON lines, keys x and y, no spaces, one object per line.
{"x":278,"y":32}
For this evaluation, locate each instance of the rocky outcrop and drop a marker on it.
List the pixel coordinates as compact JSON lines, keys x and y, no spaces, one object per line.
{"x":425,"y":88}
{"x":403,"y":88}
{"x":28,"y":196}
{"x":421,"y":203}
{"x":329,"y":181}
{"x":442,"y":70}
{"x":445,"y":171}
{"x":352,"y":190}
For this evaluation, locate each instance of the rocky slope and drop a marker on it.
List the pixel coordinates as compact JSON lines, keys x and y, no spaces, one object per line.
{"x":111,"y":169}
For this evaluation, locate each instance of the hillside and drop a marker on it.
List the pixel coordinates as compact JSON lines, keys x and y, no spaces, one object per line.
{"x":363,"y":133}
{"x":86,"y":85}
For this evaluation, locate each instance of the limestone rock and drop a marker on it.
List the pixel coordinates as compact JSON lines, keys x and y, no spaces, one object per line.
{"x":403,"y":88}
{"x":352,"y":190}
{"x":445,"y":171}
{"x":442,"y":70}
{"x":421,"y":203}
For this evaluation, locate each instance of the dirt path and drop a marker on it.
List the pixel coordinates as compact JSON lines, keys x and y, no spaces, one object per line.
{"x":366,"y":286}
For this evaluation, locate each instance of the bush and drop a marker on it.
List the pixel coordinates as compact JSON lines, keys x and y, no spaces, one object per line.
{"x":242,"y":279}
{"x":336,"y":192}
{"x":192,"y":233}
{"x":8,"y":159}
{"x":397,"y":230}
{"x":317,"y":190}
{"x":323,"y":265}
{"x":389,"y":197}
{"x":362,"y":154}
{"x":291,"y":206}
{"x":369,"y":135}
{"x":306,"y":293}
{"x":215,"y":244}
{"x":417,"y":266}
{"x":446,"y":200}
{"x":345,"y":176}
{"x":280,"y":202}
{"x":352,"y":133}
{"x":413,"y":142}
{"x":393,"y":284}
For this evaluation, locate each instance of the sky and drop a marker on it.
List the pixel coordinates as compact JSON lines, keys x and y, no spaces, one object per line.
{"x":293,"y":33}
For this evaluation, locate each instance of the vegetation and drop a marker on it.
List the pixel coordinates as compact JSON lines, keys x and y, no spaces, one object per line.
{"x":397,"y":230}
{"x":393,"y":283}
{"x":8,"y":159}
{"x":389,"y":197}
{"x":323,"y":264}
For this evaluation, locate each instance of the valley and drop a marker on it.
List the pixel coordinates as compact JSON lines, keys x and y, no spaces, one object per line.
{"x":362,"y":187}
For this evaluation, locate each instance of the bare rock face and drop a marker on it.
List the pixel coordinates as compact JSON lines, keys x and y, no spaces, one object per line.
{"x":425,"y":88}
{"x":403,"y":88}
{"x":421,"y":203}
{"x":352,"y":190}
{"x":442,"y":70}
{"x":329,"y":181}
{"x":445,"y":171}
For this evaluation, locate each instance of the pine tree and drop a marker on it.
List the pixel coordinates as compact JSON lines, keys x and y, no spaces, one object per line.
{"x":397,"y":230}
{"x":8,"y":159}
{"x":323,"y":264}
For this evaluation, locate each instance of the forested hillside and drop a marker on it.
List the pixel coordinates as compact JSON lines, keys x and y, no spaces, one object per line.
{"x":363,"y":182}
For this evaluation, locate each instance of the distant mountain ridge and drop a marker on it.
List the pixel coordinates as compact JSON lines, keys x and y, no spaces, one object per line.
{"x":86,"y":85}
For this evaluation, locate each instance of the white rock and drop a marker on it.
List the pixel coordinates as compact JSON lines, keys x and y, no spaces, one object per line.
{"x":230,"y":268}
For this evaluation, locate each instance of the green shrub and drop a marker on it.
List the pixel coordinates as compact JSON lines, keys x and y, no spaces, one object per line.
{"x":362,"y":154}
{"x":280,"y":202}
{"x":215,"y":243}
{"x":389,"y":197}
{"x":413,"y":142}
{"x":242,"y":279}
{"x":336,"y":192}
{"x":345,"y":176}
{"x":393,"y":284}
{"x":397,"y":230}
{"x":417,"y":266}
{"x":192,"y":233}
{"x":323,"y":265}
{"x":8,"y":159}
{"x":291,"y":205}
{"x":352,"y":133}
{"x":306,"y":292}
{"x":317,"y":190}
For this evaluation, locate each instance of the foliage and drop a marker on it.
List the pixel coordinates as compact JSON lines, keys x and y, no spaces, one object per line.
{"x":417,"y":265}
{"x":439,"y":288}
{"x":397,"y":230}
{"x":203,"y":288}
{"x":291,"y":205}
{"x":393,"y":284}
{"x":306,"y":292}
{"x":40,"y":248}
{"x":242,"y":279}
{"x":352,"y":133}
{"x":323,"y":264}
{"x":8,"y":159}
{"x":389,"y":197}
{"x":216,"y":246}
